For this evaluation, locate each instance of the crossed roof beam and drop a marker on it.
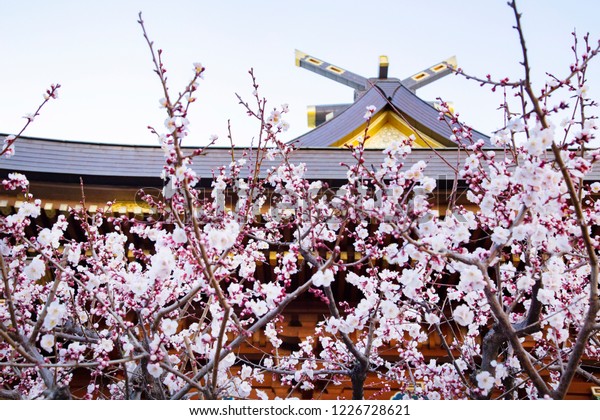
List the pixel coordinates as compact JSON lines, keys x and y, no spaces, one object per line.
{"x":360,"y":83}
{"x":318,"y":114}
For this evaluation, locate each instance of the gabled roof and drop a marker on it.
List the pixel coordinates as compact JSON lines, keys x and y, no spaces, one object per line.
{"x":387,"y":94}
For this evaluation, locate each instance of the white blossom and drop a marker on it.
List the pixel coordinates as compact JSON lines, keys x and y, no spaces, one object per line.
{"x":54,"y":315}
{"x":322,"y":278}
{"x":431,"y":318}
{"x":500,"y":235}
{"x":485,"y":381}
{"x":163,"y":263}
{"x":47,"y":342}
{"x":155,"y":370}
{"x":169,"y":326}
{"x":389,"y":309}
{"x":35,"y":269}
{"x":463,"y":315}
{"x":370,"y":111}
{"x":179,"y":236}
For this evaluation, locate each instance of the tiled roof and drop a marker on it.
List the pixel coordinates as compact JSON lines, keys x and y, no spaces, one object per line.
{"x":107,"y":164}
{"x":389,"y":93}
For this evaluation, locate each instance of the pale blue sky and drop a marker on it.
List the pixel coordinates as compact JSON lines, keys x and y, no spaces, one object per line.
{"x":96,"y":51}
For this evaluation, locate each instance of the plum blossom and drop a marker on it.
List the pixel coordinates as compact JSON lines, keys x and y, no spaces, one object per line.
{"x":262,"y":395}
{"x":428,"y":184}
{"x":179,"y":236}
{"x":206,"y":274}
{"x":198,"y":68}
{"x":525,"y":282}
{"x":432,"y":318}
{"x":36,"y":269}
{"x":389,"y":309}
{"x":322,"y":278}
{"x":163,"y":263}
{"x":485,"y":381}
{"x":73,"y":253}
{"x":275,"y":120}
{"x":169,"y":326}
{"x":47,"y":342}
{"x":176,"y":123}
{"x":471,"y":279}
{"x":17,"y":181}
{"x":49,"y":237}
{"x":258,"y":307}
{"x":138,"y":284}
{"x":351,"y":323}
{"x":272,"y":293}
{"x":29,"y":209}
{"x":500,"y":235}
{"x":240,"y":389}
{"x":463,"y":315}
{"x":500,"y":138}
{"x":516,"y":125}
{"x":222,"y":239}
{"x":8,"y":147}
{"x":370,"y":111}
{"x":155,"y":370}
{"x":106,"y":345}
{"x":55,"y":314}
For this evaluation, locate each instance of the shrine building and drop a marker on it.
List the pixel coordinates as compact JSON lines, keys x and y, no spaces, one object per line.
{"x":57,"y":170}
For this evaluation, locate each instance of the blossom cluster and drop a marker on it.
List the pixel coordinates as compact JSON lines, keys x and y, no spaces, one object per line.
{"x":173,"y":308}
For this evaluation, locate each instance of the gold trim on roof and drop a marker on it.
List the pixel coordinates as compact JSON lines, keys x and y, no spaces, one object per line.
{"x":420,"y":76}
{"x":335,"y":69}
{"x":299,"y":56}
{"x":385,"y":128}
{"x":311,"y":113}
{"x":451,"y":62}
